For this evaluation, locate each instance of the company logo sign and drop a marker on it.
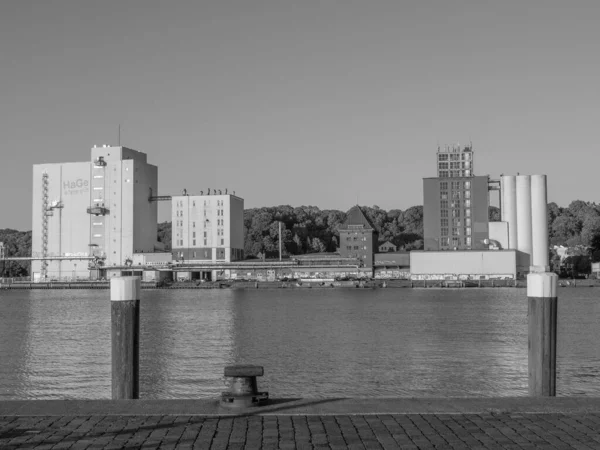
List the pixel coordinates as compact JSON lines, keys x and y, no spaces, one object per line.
{"x":76,"y":187}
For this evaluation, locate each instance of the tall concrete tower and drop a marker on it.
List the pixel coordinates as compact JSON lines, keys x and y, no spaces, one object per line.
{"x":95,"y":208}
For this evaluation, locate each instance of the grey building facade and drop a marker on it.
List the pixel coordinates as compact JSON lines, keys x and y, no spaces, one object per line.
{"x":455,"y":204}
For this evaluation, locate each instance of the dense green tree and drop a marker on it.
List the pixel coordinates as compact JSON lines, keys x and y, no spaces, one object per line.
{"x":494,"y":214}
{"x":18,"y":244}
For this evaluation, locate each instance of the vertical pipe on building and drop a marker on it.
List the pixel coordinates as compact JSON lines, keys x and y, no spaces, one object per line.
{"x":502,"y":213}
{"x":279,"y":240}
{"x":524,"y":218}
{"x":539,"y":223}
{"x":509,"y":209}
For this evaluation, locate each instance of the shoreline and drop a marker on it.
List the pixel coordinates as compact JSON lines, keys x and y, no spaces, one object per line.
{"x":369,"y":284}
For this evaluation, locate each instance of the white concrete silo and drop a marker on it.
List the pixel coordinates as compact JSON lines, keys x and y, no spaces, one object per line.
{"x":509,"y":208}
{"x":539,"y":222}
{"x":524,"y":242}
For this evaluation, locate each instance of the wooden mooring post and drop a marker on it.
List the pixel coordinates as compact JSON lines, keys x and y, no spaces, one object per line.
{"x":125,"y":337}
{"x":541,"y":314}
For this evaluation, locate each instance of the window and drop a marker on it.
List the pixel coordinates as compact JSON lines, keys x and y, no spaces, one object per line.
{"x":456,"y":194}
{"x":456,"y":185}
{"x":467,"y":194}
{"x":467,"y":203}
{"x":467,"y":185}
{"x":194,"y":242}
{"x":348,"y":247}
{"x":467,"y":156}
{"x":194,"y":203}
{"x":444,"y":213}
{"x":468,"y":212}
{"x":456,"y":203}
{"x":194,"y":234}
{"x":444,"y":195}
{"x":193,"y":224}
{"x":456,"y":213}
{"x":444,"y":185}
{"x":444,"y":203}
{"x":468,"y":231}
{"x":454,"y":231}
{"x":205,"y":234}
{"x":205,"y":242}
{"x":454,"y":157}
{"x":468,"y":241}
{"x":468,"y":222}
{"x":443,"y":165}
{"x":443,"y":174}
{"x":444,"y":222}
{"x":456,"y":222}
{"x":356,"y":247}
{"x":444,"y":242}
{"x":222,"y":241}
{"x":455,"y":242}
{"x":444,"y":231}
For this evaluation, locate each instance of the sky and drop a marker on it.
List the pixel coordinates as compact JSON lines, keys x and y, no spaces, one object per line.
{"x":313,"y":102}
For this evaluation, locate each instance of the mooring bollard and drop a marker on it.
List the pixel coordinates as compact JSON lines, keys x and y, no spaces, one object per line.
{"x":243,"y":389}
{"x":125,"y":337}
{"x":542,"y":305}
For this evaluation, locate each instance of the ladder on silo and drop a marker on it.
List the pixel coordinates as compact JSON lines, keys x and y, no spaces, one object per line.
{"x":98,"y":210}
{"x":44,"y":269}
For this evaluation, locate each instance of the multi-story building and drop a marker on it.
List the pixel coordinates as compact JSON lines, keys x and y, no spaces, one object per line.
{"x":455,"y":203}
{"x":96,"y":208}
{"x":207,"y":228}
{"x":358,"y":238}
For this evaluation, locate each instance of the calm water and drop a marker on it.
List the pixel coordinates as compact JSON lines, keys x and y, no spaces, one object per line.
{"x":312,"y":343}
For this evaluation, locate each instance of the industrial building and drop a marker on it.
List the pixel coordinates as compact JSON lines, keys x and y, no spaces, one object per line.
{"x":358,"y":238}
{"x":455,"y":217}
{"x":455,"y":203}
{"x":97,"y":213}
{"x":207,"y":228}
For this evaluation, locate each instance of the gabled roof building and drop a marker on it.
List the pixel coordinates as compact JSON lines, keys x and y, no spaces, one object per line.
{"x":358,"y":238}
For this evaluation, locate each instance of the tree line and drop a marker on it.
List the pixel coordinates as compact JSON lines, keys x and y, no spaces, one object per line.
{"x":308,"y":229}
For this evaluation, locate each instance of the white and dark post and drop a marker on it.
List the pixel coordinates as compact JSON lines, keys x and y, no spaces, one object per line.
{"x":125,"y":337}
{"x":542,"y":306}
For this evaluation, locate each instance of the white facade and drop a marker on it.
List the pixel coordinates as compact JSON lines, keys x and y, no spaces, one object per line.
{"x":461,"y":265}
{"x":96,"y":208}
{"x":207,"y":228}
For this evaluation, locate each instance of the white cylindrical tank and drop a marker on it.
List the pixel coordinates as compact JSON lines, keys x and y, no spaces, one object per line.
{"x":539,"y":221}
{"x":524,"y":216}
{"x":509,"y":208}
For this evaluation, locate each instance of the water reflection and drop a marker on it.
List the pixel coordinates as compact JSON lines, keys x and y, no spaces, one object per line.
{"x":313,"y":343}
{"x":186,"y":342}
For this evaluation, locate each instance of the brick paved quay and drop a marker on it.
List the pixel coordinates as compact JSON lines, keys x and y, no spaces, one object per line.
{"x":519,"y":423}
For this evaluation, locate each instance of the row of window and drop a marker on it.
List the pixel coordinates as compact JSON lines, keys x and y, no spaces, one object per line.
{"x":180,"y":203}
{"x":456,"y":231}
{"x":454,"y":165}
{"x":454,"y":156}
{"x":356,"y":247}
{"x":455,"y":185}
{"x":454,"y":173}
{"x":445,"y":241}
{"x":444,"y":195}
{"x":220,"y":222}
{"x":181,"y":244}
{"x":455,"y":203}
{"x":456,"y":213}
{"x":456,"y":222}
{"x":356,"y":238}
